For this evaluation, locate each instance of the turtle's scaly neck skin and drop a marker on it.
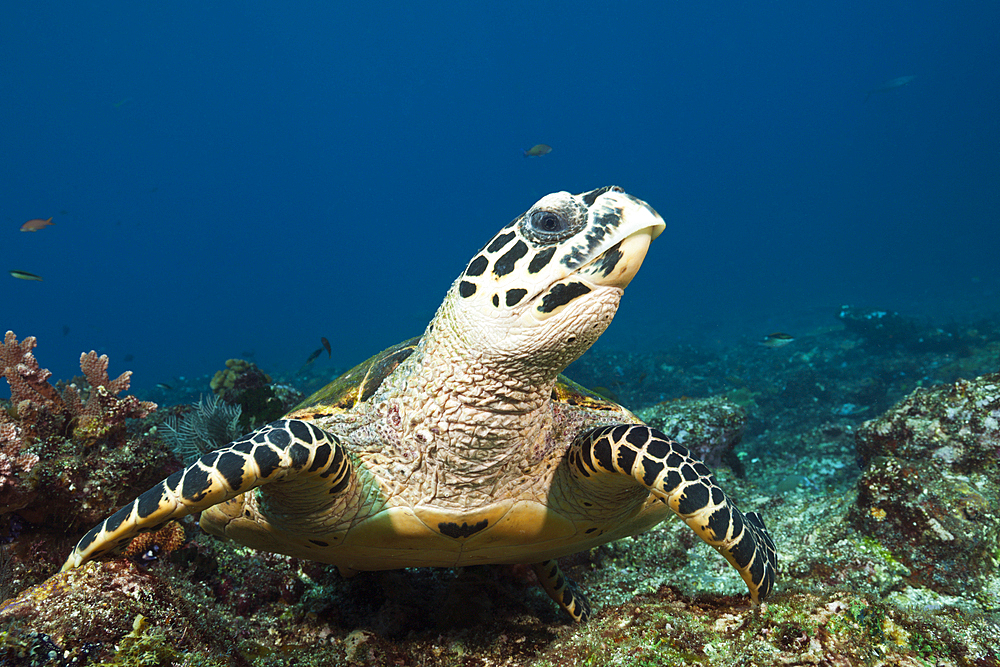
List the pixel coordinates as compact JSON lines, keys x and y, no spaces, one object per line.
{"x":480,"y":423}
{"x":476,"y":394}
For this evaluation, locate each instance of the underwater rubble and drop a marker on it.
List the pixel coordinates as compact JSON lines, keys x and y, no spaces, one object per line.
{"x":870,"y":448}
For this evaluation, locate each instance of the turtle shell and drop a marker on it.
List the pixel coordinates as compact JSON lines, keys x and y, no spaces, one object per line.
{"x":361,"y":382}
{"x":357,"y":384}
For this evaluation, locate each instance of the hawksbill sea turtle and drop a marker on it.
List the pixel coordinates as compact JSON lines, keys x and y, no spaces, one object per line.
{"x":466,"y":446}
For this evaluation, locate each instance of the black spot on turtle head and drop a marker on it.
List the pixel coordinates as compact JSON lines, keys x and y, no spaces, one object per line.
{"x":466,"y":289}
{"x":499,"y":242}
{"x":477,"y":266}
{"x":342,"y":483}
{"x":743,"y":551}
{"x":243,"y":446}
{"x":626,"y":458}
{"x":718,"y":522}
{"x":606,"y":263}
{"x":299,"y":454}
{"x":317,"y":433}
{"x":560,"y":294}
{"x":505,"y":263}
{"x":496,"y":300}
{"x":514,"y":296}
{"x":541,"y":259}
{"x":590,"y":197}
{"x":602,"y":452}
{"x":651,"y":470}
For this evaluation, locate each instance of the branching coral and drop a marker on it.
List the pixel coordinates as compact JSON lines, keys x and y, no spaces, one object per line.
{"x":103,"y":411}
{"x":28,"y":382}
{"x":63,"y":455}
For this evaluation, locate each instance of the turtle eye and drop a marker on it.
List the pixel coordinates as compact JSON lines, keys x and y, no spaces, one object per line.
{"x":547,"y":222}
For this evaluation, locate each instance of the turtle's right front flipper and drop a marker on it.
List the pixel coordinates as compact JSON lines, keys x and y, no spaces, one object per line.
{"x":280,"y":451}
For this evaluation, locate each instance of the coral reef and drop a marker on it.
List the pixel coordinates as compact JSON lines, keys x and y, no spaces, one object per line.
{"x":243,"y":383}
{"x":932,"y":480}
{"x":68,"y":458}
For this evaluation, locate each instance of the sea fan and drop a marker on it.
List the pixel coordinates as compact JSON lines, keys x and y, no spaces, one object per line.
{"x":212,"y":424}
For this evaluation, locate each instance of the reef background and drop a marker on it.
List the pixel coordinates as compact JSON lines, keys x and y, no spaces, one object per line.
{"x":882,"y":497}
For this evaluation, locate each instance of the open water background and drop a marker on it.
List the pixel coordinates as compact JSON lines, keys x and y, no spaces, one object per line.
{"x":238,"y":179}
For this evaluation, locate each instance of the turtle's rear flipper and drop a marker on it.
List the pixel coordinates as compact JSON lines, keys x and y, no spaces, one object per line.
{"x":280,"y":451}
{"x":688,"y":487}
{"x":562,"y":589}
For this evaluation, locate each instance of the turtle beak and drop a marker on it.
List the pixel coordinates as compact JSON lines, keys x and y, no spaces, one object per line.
{"x":616,"y":266}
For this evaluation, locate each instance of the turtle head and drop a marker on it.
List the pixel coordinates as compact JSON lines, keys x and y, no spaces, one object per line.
{"x":548,"y":284}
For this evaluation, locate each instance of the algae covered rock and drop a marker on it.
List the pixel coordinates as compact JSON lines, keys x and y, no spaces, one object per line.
{"x":709,"y":427}
{"x":242,"y":383}
{"x":930,"y":490}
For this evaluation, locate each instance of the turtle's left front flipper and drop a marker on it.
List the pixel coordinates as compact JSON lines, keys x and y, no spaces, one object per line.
{"x":282,"y":451}
{"x":688,"y":487}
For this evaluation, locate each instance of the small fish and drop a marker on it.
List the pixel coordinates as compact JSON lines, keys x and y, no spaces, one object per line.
{"x":312,"y":357}
{"x":892,"y":84}
{"x":35,"y":224}
{"x":537,"y":150}
{"x":777,"y":339}
{"x":326,"y":346}
{"x":164,"y":386}
{"x":24,"y":275}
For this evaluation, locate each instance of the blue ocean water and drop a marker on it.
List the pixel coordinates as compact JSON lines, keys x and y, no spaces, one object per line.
{"x":230,"y":178}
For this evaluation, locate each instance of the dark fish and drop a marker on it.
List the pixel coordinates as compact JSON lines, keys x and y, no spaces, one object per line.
{"x":537,"y":150}
{"x":65,"y":330}
{"x":892,"y":84}
{"x":777,"y":339}
{"x":128,"y":358}
{"x":326,"y":346}
{"x":24,"y":275}
{"x":35,"y":224}
{"x":312,"y":357}
{"x":164,"y":386}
